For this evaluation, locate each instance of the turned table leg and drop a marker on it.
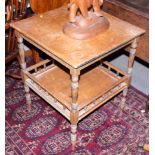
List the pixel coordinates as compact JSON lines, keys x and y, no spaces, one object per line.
{"x":23,"y":68}
{"x":74,"y":107}
{"x":123,"y":100}
{"x":130,"y":67}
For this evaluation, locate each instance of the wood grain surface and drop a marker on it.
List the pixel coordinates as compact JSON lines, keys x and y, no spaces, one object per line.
{"x":46,"y":31}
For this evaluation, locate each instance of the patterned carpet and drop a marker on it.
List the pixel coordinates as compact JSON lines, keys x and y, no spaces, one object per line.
{"x":43,"y":131}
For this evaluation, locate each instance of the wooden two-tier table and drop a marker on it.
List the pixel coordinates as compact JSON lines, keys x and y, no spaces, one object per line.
{"x":77,"y":79}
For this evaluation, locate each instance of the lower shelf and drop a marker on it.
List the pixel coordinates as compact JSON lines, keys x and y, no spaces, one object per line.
{"x":95,"y":88}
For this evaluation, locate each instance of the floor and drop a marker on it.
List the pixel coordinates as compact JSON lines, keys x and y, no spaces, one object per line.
{"x":140,"y":74}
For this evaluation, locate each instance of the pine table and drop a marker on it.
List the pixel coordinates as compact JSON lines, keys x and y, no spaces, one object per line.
{"x":76,"y":79}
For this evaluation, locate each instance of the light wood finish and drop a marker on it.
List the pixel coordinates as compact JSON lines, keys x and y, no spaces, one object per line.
{"x":60,"y":88}
{"x":123,"y":100}
{"x":132,"y":56}
{"x":41,"y":6}
{"x":74,"y":105}
{"x":76,"y":84}
{"x":23,"y":68}
{"x":130,"y":67}
{"x":57,"y":82}
{"x":50,"y":29}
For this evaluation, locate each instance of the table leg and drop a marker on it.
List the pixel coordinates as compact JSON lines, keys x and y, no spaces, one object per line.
{"x":23,"y":68}
{"x":130,"y":67}
{"x":74,"y":111}
{"x":147,"y":107}
{"x":123,"y":100}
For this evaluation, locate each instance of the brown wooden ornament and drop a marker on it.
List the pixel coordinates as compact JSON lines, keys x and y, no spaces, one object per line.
{"x":87,"y":24}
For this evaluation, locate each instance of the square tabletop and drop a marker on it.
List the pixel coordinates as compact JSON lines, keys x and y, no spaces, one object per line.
{"x":47,"y":32}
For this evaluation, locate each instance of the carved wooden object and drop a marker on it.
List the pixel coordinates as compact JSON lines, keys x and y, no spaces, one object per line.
{"x":79,"y":81}
{"x":89,"y":23}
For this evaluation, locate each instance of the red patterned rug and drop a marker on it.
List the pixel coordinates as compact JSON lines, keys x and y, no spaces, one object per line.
{"x":44,"y":131}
